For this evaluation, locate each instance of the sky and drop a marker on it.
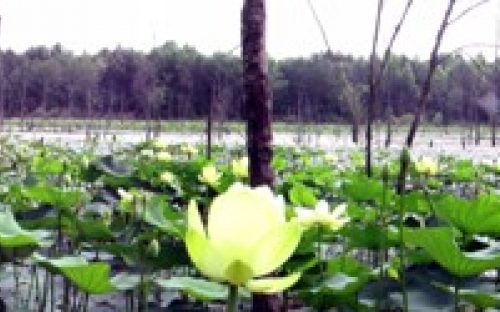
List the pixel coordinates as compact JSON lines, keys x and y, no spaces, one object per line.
{"x":214,"y":25}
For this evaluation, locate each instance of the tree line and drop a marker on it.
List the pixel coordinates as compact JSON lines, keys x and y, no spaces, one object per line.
{"x":173,"y":82}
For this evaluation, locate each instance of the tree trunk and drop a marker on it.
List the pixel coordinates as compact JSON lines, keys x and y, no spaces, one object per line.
{"x":493,"y":130}
{"x":477,"y":125}
{"x":70,"y":107}
{"x":258,"y":110}
{"x":388,"y":137}
{"x":45,"y":90}
{"x":210,"y":117}
{"x":122,"y":108}
{"x":88,"y":101}
{"x":355,"y":131}
{"x":23,"y":104}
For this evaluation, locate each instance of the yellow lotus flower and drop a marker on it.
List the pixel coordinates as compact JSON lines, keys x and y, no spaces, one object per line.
{"x":163,"y":156}
{"x":321,"y":215}
{"x":247,"y":236}
{"x":85,"y":161}
{"x":167,"y":177}
{"x":330,"y":158}
{"x":125,"y":196}
{"x":357,"y":159}
{"x":159,"y":144}
{"x":240,"y":167}
{"x":147,"y":153}
{"x":189,"y":149}
{"x":427,"y":165}
{"x":209,"y":175}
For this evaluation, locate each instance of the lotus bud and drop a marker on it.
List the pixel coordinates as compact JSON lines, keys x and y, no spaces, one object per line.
{"x":153,"y":249}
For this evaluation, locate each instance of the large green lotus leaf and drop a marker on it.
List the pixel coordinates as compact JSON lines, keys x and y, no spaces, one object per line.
{"x":359,"y":212}
{"x":440,"y":244}
{"x":93,"y":230}
{"x":197,"y":288}
{"x":44,"y":165}
{"x":172,"y":254}
{"x":360,"y":188}
{"x":416,"y":202}
{"x":54,"y":265}
{"x":369,"y":236}
{"x":478,"y":216}
{"x":463,"y":170}
{"x":13,"y":236}
{"x":279,"y":162}
{"x":344,"y":278}
{"x":67,"y":224}
{"x":166,"y":219}
{"x":59,"y":198}
{"x":348,"y":275}
{"x":301,"y":195}
{"x":92,"y":278}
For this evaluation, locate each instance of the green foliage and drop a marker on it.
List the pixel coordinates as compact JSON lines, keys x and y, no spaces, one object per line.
{"x":440,"y":244}
{"x":477,"y":216}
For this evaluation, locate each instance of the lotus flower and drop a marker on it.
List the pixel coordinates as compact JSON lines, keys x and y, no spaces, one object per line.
{"x":189,"y":149}
{"x":163,"y":156}
{"x":159,"y":144}
{"x":147,"y":153}
{"x":321,"y":215}
{"x":247,"y":236}
{"x":330,"y":158}
{"x":427,"y":166}
{"x":125,"y":196}
{"x":240,"y":167}
{"x":210,"y":175}
{"x":167,"y":177}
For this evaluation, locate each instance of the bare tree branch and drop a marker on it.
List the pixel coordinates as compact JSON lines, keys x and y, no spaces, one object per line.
{"x":387,"y":52}
{"x":433,"y":62}
{"x":467,"y":11}
{"x":372,"y":95}
{"x":320,"y":26}
{"x":375,"y":80}
{"x":424,"y":93}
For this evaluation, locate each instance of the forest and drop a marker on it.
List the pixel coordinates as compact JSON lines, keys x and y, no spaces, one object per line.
{"x":173,"y":82}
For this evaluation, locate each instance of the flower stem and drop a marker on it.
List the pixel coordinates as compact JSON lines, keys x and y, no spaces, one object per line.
{"x":232,"y":300}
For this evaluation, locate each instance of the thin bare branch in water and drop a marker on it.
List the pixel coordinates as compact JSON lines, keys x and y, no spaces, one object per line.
{"x":424,"y":93}
{"x":388,"y":50}
{"x":426,"y":87}
{"x":372,"y":96}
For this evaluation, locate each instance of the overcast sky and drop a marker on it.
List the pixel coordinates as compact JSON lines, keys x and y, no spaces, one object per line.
{"x":213,"y":25}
